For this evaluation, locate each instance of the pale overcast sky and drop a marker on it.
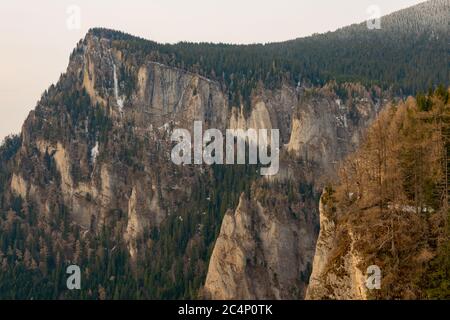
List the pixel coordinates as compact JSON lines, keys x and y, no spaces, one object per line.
{"x":36,"y":42}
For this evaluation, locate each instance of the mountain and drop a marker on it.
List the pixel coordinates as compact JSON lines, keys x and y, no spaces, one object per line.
{"x":90,"y":180}
{"x":407,"y":54}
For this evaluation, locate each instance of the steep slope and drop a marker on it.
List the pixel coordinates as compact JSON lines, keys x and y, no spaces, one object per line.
{"x":97,"y":147}
{"x":390,"y":209}
{"x":90,"y":180}
{"x":265,"y":246}
{"x":335,"y":277}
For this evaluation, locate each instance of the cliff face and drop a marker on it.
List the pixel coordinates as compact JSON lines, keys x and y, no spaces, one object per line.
{"x":98,"y":145}
{"x":261,"y":253}
{"x":379,"y":225}
{"x":336,"y":270}
{"x":99,"y":141}
{"x":265,"y":253}
{"x":325,"y":128}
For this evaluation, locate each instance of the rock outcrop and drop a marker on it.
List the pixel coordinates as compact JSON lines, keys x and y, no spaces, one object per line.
{"x":261,"y":254}
{"x":325,"y":129}
{"x":335,"y":276}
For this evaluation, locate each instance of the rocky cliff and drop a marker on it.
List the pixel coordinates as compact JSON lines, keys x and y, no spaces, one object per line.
{"x":263,"y":252}
{"x":90,"y":180}
{"x":246,"y":262}
{"x":336,"y":272}
{"x":98,"y":146}
{"x":378,"y":238}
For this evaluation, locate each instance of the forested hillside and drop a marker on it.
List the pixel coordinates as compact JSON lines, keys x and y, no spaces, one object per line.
{"x":35,"y":251}
{"x":403,"y":55}
{"x":391,"y":206}
{"x":90,"y":181}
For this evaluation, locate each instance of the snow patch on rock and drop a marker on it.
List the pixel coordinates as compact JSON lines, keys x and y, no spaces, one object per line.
{"x":94,"y":152}
{"x":119,"y":99}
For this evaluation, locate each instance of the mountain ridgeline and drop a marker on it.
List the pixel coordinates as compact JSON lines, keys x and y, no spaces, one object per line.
{"x":408,"y":54}
{"x":90,"y":182}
